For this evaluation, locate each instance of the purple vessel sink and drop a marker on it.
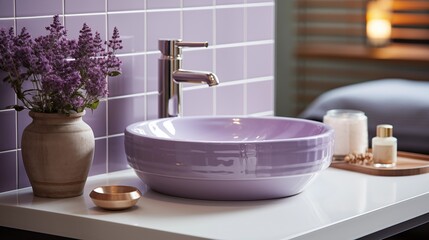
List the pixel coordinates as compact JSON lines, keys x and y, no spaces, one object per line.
{"x":228,"y":158}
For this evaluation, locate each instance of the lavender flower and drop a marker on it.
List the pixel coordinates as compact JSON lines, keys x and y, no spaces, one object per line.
{"x":66,"y":75}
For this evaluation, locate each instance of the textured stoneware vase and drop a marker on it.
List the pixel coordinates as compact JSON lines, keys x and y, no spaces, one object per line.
{"x":57,"y":151}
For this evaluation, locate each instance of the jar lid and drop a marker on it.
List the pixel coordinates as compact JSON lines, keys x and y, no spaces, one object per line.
{"x":384,"y":130}
{"x":345,"y":113}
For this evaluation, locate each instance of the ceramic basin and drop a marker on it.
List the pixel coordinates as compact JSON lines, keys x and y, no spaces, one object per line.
{"x":228,"y":158}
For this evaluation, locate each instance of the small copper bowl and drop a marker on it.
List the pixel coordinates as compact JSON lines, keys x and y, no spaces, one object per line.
{"x":115,"y":197}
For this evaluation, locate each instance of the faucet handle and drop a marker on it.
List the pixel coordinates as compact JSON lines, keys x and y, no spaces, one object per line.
{"x":192,"y":44}
{"x":172,"y":47}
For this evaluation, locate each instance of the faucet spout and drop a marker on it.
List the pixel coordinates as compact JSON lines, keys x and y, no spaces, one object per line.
{"x":186,"y":76}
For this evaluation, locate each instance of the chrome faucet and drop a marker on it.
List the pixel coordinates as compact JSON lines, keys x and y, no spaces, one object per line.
{"x":170,"y":74}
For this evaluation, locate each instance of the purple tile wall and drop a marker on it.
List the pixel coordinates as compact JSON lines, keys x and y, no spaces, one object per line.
{"x":8,"y":178}
{"x":93,"y":6}
{"x":26,"y":8}
{"x":6,"y":9}
{"x":241,"y":38}
{"x":198,"y":25}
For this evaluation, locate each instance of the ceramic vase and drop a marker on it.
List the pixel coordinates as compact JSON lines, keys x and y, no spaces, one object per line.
{"x":57,"y":151}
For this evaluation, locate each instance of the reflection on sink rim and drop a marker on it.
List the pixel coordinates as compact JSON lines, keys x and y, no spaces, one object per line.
{"x":164,"y":128}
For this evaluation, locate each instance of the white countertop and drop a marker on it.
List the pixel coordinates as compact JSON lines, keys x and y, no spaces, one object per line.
{"x":339,"y":204}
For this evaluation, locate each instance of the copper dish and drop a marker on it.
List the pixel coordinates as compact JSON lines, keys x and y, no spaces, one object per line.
{"x":115,"y":197}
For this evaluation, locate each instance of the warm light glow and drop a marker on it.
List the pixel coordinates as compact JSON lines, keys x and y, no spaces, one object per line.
{"x":378,"y":26}
{"x":378,"y":31}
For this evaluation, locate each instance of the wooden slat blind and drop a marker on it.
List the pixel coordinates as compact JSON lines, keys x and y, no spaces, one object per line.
{"x":332,"y":17}
{"x":410,"y":5}
{"x":410,"y":21}
{"x":331,"y":49}
{"x":331,"y":4}
{"x":410,"y":18}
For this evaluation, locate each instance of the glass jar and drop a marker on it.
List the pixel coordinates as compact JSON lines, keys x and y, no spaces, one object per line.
{"x":351,"y":131}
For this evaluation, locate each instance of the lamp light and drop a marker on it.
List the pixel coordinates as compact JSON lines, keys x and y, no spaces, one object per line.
{"x":378,"y":25}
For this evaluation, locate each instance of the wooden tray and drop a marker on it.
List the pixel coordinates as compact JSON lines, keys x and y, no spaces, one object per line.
{"x":407,"y":164}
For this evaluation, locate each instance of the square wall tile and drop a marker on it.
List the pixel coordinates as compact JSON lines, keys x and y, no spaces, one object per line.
{"x":99,"y":163}
{"x":223,"y":2}
{"x":259,"y":1}
{"x":6,"y":92}
{"x":124,"y":111}
{"x":8,"y":171}
{"x":260,"y":23}
{"x":6,"y":9}
{"x":230,"y":64}
{"x":260,"y":96}
{"x":151,"y":4}
{"x":198,"y":60}
{"x":23,"y":121}
{"x":260,"y":61}
{"x":23,"y":180}
{"x":96,"y":119}
{"x":162,"y":25}
{"x":42,"y":8}
{"x":152,"y":71}
{"x":198,"y":102}
{"x":229,"y":25}
{"x":152,"y":106}
{"x":7,"y":130}
{"x":117,"y":157}
{"x":131,"y":30}
{"x":6,"y":24}
{"x":75,"y":6}
{"x":74,"y":24}
{"x":132,"y":78}
{"x":36,"y":26}
{"x":198,"y":3}
{"x":125,"y":5}
{"x":230,"y":100}
{"x":198,"y":25}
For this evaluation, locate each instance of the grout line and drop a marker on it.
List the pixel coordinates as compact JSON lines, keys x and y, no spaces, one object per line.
{"x":10,"y":151}
{"x":145,"y":59}
{"x":245,"y":60}
{"x":181,"y":96}
{"x":63,"y":2}
{"x":228,"y":6}
{"x":232,"y":83}
{"x":108,"y":136}
{"x":182,"y":22}
{"x":15,"y":26}
{"x":106,"y":31}
{"x":133,"y":95}
{"x":182,"y":8}
{"x":213,"y":46}
{"x":16,"y":169}
{"x":239,"y":44}
{"x":14,"y":16}
{"x":214,"y":65}
{"x":8,"y":110}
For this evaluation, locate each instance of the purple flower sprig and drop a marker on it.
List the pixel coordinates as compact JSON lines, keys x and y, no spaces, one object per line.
{"x":53,"y":74}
